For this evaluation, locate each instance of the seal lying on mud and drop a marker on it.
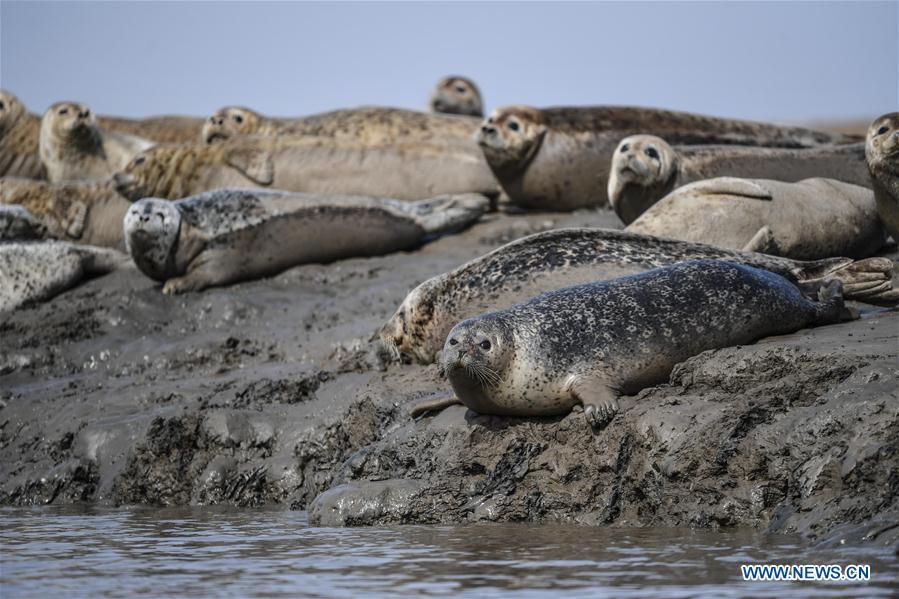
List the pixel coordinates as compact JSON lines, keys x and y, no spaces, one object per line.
{"x":366,"y":126}
{"x":645,"y":168}
{"x":564,"y":257}
{"x":166,"y":129}
{"x":231,"y":235}
{"x":807,"y":220}
{"x":559,"y":158}
{"x":588,"y":344}
{"x":313,"y":165}
{"x":88,"y":212}
{"x":19,"y":134}
{"x":456,"y":95}
{"x":74,"y":148}
{"x":38,"y":271}
{"x":882,"y":152}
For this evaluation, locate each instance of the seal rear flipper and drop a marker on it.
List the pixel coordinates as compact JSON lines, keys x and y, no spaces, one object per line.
{"x":599,"y":400}
{"x":830,"y":307}
{"x":868,"y":280}
{"x":445,"y":213}
{"x":734,"y":186}
{"x":433,"y":405}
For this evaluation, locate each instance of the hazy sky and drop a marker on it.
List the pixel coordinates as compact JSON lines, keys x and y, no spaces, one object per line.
{"x":779,"y":61}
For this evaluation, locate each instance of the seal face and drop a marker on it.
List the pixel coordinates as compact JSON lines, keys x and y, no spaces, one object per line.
{"x":511,"y":136}
{"x":151,"y":236}
{"x":231,"y":121}
{"x":457,"y":95}
{"x":590,"y":343}
{"x":643,"y":162}
{"x":882,"y":154}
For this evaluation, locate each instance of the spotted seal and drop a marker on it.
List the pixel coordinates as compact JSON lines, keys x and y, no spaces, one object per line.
{"x":645,"y":168}
{"x":164,"y":129}
{"x":554,"y":259}
{"x":38,"y":271}
{"x":456,"y":95}
{"x":231,"y":235}
{"x":559,"y":158}
{"x":19,"y":134}
{"x":74,"y":148}
{"x":882,"y":153}
{"x":88,"y":212}
{"x":807,"y":220}
{"x":312,"y":165}
{"x":586,"y":345}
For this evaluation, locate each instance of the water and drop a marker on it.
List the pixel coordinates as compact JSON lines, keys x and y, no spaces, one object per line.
{"x":72,"y":552}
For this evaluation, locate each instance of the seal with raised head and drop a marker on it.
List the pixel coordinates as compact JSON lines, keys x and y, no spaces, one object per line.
{"x":807,"y":220}
{"x":38,"y":271}
{"x":882,"y":152}
{"x":313,"y":165}
{"x":231,"y":235}
{"x":559,"y":158}
{"x":164,"y":129}
{"x":366,"y":126}
{"x":73,"y":147}
{"x":586,"y":345}
{"x":88,"y":212}
{"x":645,"y":168}
{"x":555,"y":259}
{"x":456,"y":95}
{"x":19,"y":134}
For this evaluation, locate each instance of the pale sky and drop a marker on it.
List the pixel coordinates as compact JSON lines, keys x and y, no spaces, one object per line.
{"x":787,"y":62}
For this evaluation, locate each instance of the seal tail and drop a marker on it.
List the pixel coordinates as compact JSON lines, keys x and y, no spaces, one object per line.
{"x":830,"y":307}
{"x":444,"y":213}
{"x":869,"y":280}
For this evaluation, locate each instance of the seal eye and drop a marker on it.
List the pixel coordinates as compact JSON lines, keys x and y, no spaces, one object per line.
{"x":625,"y":148}
{"x":139,"y":160}
{"x":238,"y":118}
{"x":63,"y":111}
{"x":512,"y":125}
{"x":2,"y":105}
{"x":461,"y":89}
{"x":651,"y":152}
{"x":454,"y":341}
{"x":485,"y":345}
{"x":883,"y":130}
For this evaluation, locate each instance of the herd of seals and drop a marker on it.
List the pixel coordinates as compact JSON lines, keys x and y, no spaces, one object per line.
{"x":734,"y":230}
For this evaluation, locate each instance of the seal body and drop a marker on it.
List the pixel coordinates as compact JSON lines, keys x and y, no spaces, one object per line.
{"x":807,"y":220}
{"x":882,"y":153}
{"x":559,"y":158}
{"x":231,"y":235}
{"x":166,"y":129}
{"x":552,"y":260}
{"x":456,"y":95}
{"x":38,"y":271}
{"x":588,"y":344}
{"x":82,"y":212}
{"x":19,"y":135}
{"x":312,"y":165}
{"x":645,"y":168}
{"x":74,"y":148}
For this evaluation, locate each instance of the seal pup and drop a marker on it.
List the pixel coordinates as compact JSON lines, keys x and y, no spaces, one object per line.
{"x":314,"y":165}
{"x":882,"y":153}
{"x":456,"y":95}
{"x":645,"y":168}
{"x":73,"y":147}
{"x":586,"y":345}
{"x":559,"y":158}
{"x":561,"y":258}
{"x":165,"y":129}
{"x":231,"y":235}
{"x":88,"y":212}
{"x":38,"y":271}
{"x":367,"y":126}
{"x":807,"y":220}
{"x":19,"y":134}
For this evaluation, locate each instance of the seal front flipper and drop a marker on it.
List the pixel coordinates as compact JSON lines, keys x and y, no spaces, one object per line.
{"x":433,"y":405}
{"x":253,"y":163}
{"x":209,"y":269}
{"x":763,"y":242}
{"x":76,"y":217}
{"x":731,"y":186}
{"x":600,"y":401}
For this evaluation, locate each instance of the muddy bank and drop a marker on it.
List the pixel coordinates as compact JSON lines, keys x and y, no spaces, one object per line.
{"x":269,"y":393}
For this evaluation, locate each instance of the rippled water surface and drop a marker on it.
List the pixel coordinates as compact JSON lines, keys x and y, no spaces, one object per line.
{"x":201,"y":552}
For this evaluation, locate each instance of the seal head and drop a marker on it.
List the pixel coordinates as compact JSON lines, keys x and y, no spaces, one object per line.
{"x":231,"y":121}
{"x":643,"y":167}
{"x":71,"y":122}
{"x":882,"y":155}
{"x":151,"y":237}
{"x":11,"y":110}
{"x":511,"y":136}
{"x":457,"y":95}
{"x":475,"y":359}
